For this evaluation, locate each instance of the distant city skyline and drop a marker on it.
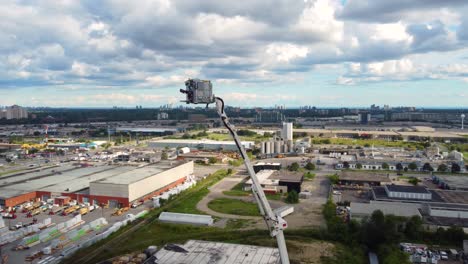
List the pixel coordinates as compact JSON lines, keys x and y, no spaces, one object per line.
{"x":324,"y":53}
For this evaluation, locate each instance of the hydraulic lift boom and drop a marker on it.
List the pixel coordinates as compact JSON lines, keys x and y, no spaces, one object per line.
{"x":200,"y":92}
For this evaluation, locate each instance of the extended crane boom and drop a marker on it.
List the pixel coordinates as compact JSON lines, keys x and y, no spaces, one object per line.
{"x":200,"y":92}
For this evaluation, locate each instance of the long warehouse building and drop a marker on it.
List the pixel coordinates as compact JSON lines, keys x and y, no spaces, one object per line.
{"x":116,"y":186}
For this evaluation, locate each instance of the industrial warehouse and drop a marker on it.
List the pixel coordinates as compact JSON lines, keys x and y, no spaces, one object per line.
{"x":116,"y":186}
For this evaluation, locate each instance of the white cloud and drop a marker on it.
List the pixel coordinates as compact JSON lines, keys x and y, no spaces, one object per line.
{"x":391,"y":32}
{"x":286,"y":52}
{"x":83,"y":69}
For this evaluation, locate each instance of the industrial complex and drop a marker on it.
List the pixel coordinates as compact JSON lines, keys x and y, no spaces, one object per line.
{"x":113,"y":185}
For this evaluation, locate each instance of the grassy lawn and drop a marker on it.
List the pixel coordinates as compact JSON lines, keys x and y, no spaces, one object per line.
{"x":237,"y":223}
{"x":188,"y":203}
{"x":368,"y":142}
{"x":309,"y":176}
{"x":222,"y":137}
{"x":238,"y":191}
{"x":233,"y":206}
{"x":11,"y":171}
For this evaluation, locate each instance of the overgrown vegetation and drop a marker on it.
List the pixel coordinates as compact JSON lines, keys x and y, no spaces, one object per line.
{"x":359,"y":142}
{"x":292,"y":197}
{"x":381,"y":233}
{"x":334,"y":178}
{"x":309,"y":176}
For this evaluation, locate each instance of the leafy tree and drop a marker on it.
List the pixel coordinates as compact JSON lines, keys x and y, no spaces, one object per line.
{"x":413,"y":181}
{"x":310,"y":166}
{"x":455,"y":168}
{"x":385,"y":166}
{"x":229,"y":171}
{"x":346,"y":165}
{"x":413,"y":227}
{"x":292,"y":197}
{"x":294,"y":166}
{"x":427,"y":167}
{"x":358,"y":166}
{"x":212,"y":160}
{"x":374,"y":230}
{"x":391,"y":255}
{"x":399,"y":167}
{"x":412,"y":166}
{"x":164,"y":156}
{"x":334,"y":179}
{"x":246,"y":132}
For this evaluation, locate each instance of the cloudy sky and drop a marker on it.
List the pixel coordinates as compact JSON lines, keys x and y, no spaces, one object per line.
{"x":258,"y":52}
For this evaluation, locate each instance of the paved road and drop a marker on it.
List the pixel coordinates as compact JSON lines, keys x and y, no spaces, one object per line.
{"x":216,"y":191}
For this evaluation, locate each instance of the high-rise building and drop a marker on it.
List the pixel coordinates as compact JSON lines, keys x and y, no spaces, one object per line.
{"x":13,"y":112}
{"x":364,"y":118}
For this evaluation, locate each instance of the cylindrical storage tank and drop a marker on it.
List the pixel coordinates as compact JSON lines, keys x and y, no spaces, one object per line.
{"x":262,"y":147}
{"x":268,"y":149}
{"x":278,"y":147}
{"x":272,"y":146}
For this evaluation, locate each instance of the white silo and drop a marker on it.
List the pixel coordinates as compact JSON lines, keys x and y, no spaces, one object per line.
{"x":278,"y":147}
{"x":272,"y":146}
{"x":267,"y":147}
{"x":262,"y":147}
{"x":287,"y":131}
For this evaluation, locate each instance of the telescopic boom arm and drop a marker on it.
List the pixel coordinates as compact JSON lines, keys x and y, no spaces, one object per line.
{"x":200,"y":92}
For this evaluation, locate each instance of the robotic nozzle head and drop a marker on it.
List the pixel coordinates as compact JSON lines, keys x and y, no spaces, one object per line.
{"x":198,"y":92}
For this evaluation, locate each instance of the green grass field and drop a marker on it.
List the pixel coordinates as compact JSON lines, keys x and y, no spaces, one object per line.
{"x":368,"y":142}
{"x":238,"y":191}
{"x":222,"y":137}
{"x":309,"y":176}
{"x":188,"y":203}
{"x":233,"y":206}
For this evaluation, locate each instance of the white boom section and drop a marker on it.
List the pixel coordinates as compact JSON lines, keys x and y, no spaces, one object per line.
{"x":276,"y":224}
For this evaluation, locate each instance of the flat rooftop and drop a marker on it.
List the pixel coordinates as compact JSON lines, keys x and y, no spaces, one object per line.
{"x":206,"y":252}
{"x":64,"y":179}
{"x":381,"y":195}
{"x":456,"y":181}
{"x":387,"y":208}
{"x":406,"y":188}
{"x":71,"y":179}
{"x":197,"y":141}
{"x":269,"y":177}
{"x":363,"y":176}
{"x":138,"y":174}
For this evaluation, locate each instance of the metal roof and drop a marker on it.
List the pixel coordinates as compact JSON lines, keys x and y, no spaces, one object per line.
{"x":206,"y":252}
{"x":147,"y":129}
{"x":393,"y":208}
{"x":139,"y":174}
{"x":363,"y":176}
{"x":195,"y":219}
{"x":406,"y":189}
{"x":201,"y":142}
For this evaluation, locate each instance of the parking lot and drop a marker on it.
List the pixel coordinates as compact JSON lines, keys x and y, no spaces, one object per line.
{"x":354,"y":195}
{"x":20,"y":256}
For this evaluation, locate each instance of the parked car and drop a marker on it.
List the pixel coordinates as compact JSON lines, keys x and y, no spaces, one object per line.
{"x":136,"y":204}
